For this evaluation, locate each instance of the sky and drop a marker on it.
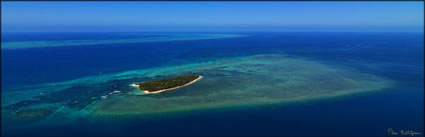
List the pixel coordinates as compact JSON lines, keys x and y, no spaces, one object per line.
{"x":85,"y":16}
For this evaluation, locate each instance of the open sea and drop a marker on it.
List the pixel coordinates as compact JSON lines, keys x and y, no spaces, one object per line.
{"x":262,"y":83}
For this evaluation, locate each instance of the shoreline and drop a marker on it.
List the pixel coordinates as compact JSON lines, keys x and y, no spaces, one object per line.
{"x":162,"y":90}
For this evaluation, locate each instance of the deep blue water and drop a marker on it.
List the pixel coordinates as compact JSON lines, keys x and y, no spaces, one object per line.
{"x":398,"y":56}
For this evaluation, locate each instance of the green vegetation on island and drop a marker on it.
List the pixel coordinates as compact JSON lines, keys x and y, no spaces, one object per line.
{"x":168,"y":83}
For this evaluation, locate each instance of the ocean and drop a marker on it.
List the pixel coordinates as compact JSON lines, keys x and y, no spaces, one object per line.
{"x":255,"y":83}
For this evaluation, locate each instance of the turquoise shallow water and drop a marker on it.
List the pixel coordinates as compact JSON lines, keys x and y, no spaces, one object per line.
{"x":146,"y":38}
{"x":265,"y":79}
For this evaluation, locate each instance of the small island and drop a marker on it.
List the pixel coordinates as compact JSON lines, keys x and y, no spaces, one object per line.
{"x":158,"y":86}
